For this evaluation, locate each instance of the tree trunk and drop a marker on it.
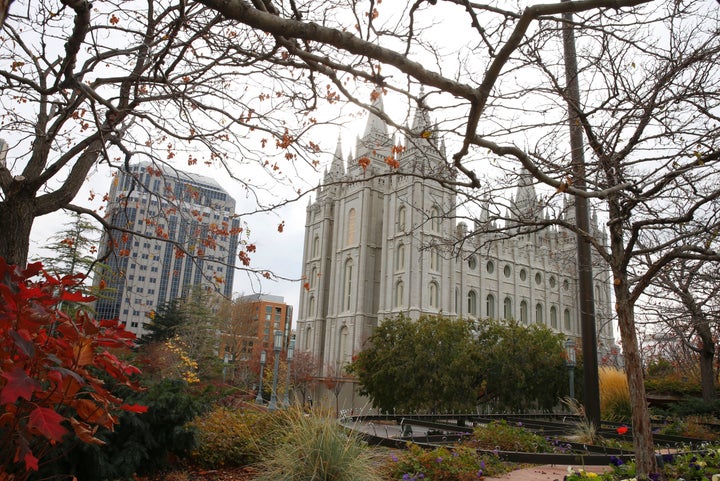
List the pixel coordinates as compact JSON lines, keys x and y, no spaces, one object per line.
{"x":707,"y":379}
{"x":16,"y":220}
{"x":642,"y":434}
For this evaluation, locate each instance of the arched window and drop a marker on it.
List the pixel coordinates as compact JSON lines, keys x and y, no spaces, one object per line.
{"x":507,"y":308}
{"x":399,"y":294}
{"x":435,"y":219}
{"x":311,"y":307}
{"x":597,"y":293}
{"x":401,"y":219}
{"x":400,"y":257}
{"x":472,"y":303}
{"x":316,"y":247}
{"x":351,"y":227}
{"x":347,"y":284}
{"x":523,"y":312}
{"x":313,"y":278}
{"x":457,"y":300}
{"x":553,"y":317}
{"x":490,"y":306}
{"x":344,"y":351}
{"x":308,"y":336}
{"x":539,"y":313}
{"x":567,"y":320}
{"x":434,"y":295}
{"x":434,"y":259}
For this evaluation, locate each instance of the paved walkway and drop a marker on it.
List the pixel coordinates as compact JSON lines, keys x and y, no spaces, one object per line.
{"x":545,"y":473}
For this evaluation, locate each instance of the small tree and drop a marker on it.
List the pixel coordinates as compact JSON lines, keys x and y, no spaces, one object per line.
{"x":428,"y":364}
{"x":521,"y":366}
{"x":303,"y":373}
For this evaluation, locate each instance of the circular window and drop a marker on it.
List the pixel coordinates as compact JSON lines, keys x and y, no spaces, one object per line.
{"x":538,"y":278}
{"x":566,"y":285}
{"x":507,"y":271}
{"x":552,"y":281}
{"x":490,"y":267}
{"x":472,"y":262}
{"x":523,"y":274}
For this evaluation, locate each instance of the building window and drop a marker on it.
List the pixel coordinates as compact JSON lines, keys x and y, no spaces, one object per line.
{"x":351,"y":227}
{"x":316,"y":247}
{"x":552,"y":281}
{"x":313,"y":278}
{"x":490,"y":306}
{"x":401,"y":219}
{"x":433,"y":291}
{"x":472,"y":262}
{"x":434,"y":259}
{"x":344,"y":352}
{"x":538,"y":278}
{"x":311,"y":307}
{"x":523,"y":312}
{"x":539,"y":314}
{"x":490,"y":267}
{"x":553,"y":317}
{"x":457,"y":299}
{"x":566,"y":285}
{"x":507,"y":271}
{"x":308,"y":335}
{"x":523,"y":274}
{"x":347,"y":284}
{"x":435,"y":219}
{"x":399,"y":294}
{"x":507,"y":308}
{"x":567,"y":320}
{"x":472,"y":303}
{"x":400,"y":257}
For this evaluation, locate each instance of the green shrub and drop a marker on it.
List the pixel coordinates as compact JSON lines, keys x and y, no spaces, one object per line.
{"x":232,"y":437}
{"x":141,"y":443}
{"x":318,"y":448}
{"x":504,"y":437}
{"x":459,"y":463}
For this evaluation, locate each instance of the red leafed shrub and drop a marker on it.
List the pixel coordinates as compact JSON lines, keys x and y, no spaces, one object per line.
{"x":49,"y":368}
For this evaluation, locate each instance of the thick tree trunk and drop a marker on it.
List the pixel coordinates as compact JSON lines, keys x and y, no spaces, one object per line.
{"x":707,"y":378}
{"x":642,"y":434}
{"x":16,"y":220}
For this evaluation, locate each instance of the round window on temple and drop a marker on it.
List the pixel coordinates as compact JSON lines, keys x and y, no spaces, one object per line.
{"x":472,"y":262}
{"x":538,"y":278}
{"x":490,"y":267}
{"x":507,"y":271}
{"x":523,"y":274}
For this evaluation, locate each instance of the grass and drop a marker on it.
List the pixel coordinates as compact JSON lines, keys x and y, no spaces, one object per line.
{"x":614,"y":395}
{"x":316,"y":447}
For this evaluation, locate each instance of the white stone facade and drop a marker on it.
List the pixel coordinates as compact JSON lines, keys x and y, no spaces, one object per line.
{"x":389,"y":245}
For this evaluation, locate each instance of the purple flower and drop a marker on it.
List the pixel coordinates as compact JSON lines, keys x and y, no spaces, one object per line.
{"x":482,"y":464}
{"x":393,"y":458}
{"x":615,"y":461}
{"x":438,"y":459}
{"x":479,"y":473}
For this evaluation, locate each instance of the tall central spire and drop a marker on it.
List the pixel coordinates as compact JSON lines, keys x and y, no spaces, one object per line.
{"x":375,"y":124}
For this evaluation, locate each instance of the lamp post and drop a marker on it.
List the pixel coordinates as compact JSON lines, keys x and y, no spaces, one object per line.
{"x":290,"y":352}
{"x":259,"y":398}
{"x":277,"y":348}
{"x":570,"y":360}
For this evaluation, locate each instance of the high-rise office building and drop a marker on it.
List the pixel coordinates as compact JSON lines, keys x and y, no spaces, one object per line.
{"x":178,"y":231}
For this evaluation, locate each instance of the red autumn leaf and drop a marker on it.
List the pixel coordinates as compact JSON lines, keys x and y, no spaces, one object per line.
{"x":31,"y":462}
{"x":47,"y":422}
{"x":622,"y":430}
{"x":76,"y":297}
{"x":134,"y":408}
{"x":19,"y":385}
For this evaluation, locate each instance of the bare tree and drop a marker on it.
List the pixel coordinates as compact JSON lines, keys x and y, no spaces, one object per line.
{"x":649,"y":110}
{"x":682,"y":306}
{"x":238,"y":325}
{"x":303,"y":373}
{"x":108,"y":83}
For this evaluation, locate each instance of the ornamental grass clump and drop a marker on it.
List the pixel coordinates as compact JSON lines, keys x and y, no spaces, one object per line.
{"x":316,"y":447}
{"x":614,"y":395}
